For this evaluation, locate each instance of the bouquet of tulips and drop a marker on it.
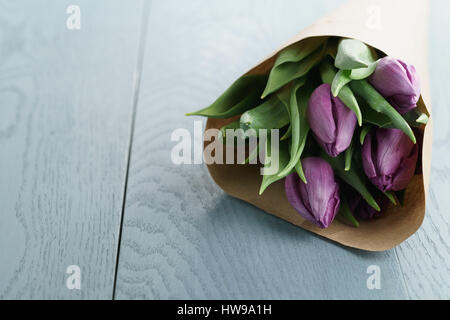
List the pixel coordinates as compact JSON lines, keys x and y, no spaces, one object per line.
{"x":348,"y":122}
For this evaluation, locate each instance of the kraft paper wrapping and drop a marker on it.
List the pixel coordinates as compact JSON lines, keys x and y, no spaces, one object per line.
{"x":399,"y":29}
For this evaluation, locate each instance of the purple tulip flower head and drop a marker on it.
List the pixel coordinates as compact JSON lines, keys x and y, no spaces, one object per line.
{"x":317,"y":201}
{"x":363,"y":210}
{"x":331,"y":121}
{"x":398,"y":82}
{"x":389,"y":159}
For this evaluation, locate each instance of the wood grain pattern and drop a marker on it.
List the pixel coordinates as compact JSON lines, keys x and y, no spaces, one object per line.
{"x":182,"y":237}
{"x":66,"y":105}
{"x":66,"y":108}
{"x":425,"y":257}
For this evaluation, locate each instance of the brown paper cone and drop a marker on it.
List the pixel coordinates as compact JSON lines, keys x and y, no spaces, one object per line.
{"x":400,"y":29}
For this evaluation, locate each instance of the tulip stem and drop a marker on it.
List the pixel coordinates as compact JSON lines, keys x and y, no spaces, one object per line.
{"x":376,"y":101}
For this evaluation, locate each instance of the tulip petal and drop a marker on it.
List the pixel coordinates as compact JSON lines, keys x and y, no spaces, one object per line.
{"x":403,"y":104}
{"x":346,"y":124}
{"x":322,"y":190}
{"x":389,"y":159}
{"x":331,"y":121}
{"x":293,"y":193}
{"x":331,"y":210}
{"x":367,"y":159}
{"x":406,"y":170}
{"x":327,"y":73}
{"x":391,"y":78}
{"x":320,"y":114}
{"x":412,"y":76}
{"x":398,"y":82}
{"x":392,"y":145}
{"x":318,"y":201}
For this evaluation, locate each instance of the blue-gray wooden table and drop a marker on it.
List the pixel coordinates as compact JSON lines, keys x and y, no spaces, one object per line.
{"x":86,"y":179}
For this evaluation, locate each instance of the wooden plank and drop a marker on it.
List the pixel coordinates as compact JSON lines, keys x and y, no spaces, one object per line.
{"x":425,"y":258}
{"x":182,"y":236}
{"x":66,"y":104}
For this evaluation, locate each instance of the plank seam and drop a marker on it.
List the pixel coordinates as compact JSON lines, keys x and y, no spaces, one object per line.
{"x":135,"y":100}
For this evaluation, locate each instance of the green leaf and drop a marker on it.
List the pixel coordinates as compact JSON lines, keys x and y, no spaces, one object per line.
{"x":363,"y":73}
{"x":379,"y":104}
{"x":339,"y":81}
{"x":233,"y":126}
{"x":353,"y":54}
{"x":243,"y":95}
{"x":299,"y":50}
{"x":287,"y":134}
{"x":415,"y":118}
{"x":423,"y":119}
{"x":272,"y":114}
{"x":327,"y":73}
{"x":298,"y":106}
{"x":294,"y":62}
{"x":283,"y":161}
{"x":346,"y":213}
{"x":364,"y":131}
{"x":253,"y":154}
{"x":372,"y":117}
{"x":348,"y":98}
{"x":284,"y":96}
{"x":300,"y":172}
{"x":354,"y":177}
{"x":348,"y":157}
{"x":391,"y":196}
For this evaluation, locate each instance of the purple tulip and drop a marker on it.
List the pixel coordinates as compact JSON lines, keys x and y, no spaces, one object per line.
{"x":331,"y":121}
{"x":317,"y":201}
{"x":363,"y":210}
{"x":398,"y":83}
{"x":389,"y":159}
